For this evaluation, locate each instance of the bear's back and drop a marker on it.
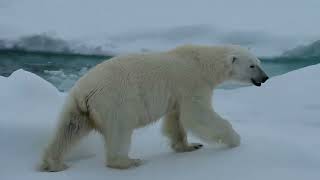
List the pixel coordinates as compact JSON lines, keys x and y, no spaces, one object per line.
{"x":131,"y":75}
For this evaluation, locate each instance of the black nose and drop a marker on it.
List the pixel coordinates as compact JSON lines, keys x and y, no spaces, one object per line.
{"x":265,"y":79}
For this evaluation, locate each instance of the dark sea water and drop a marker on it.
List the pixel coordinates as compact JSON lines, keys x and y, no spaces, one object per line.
{"x":63,"y":70}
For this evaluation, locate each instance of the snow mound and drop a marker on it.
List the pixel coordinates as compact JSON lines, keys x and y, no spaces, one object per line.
{"x":24,"y":91}
{"x":278,"y":122}
{"x":30,"y":83}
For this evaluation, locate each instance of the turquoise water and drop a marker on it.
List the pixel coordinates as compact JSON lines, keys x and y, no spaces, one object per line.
{"x":62,"y":70}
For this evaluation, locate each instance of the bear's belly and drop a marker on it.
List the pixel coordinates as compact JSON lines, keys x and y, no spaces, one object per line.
{"x":154,"y":106}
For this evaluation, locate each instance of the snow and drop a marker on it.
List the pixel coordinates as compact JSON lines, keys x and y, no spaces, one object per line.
{"x":278,"y":122}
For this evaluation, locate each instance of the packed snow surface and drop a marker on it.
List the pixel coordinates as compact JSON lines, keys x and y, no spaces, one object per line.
{"x":278,"y":122}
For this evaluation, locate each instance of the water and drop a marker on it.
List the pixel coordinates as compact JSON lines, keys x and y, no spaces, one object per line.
{"x":62,"y":70}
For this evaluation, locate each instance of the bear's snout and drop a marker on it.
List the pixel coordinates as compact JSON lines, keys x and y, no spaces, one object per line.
{"x":264,"y":79}
{"x":260,"y":81}
{"x":261,"y":78}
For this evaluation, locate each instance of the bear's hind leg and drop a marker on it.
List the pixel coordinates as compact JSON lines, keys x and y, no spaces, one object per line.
{"x":173,"y":129}
{"x":118,"y":141}
{"x":72,"y":127}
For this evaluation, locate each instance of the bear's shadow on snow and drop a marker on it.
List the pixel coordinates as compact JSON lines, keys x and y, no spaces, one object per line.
{"x":207,"y":153}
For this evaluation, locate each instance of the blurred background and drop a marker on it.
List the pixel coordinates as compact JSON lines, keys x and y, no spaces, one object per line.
{"x":60,"y":40}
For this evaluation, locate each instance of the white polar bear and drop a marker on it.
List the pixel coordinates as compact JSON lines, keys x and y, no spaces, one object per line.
{"x":128,"y":92}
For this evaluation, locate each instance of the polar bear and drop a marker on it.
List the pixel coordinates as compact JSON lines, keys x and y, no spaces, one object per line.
{"x":131,"y":91}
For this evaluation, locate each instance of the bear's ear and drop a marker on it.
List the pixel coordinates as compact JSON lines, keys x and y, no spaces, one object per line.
{"x":232,"y":59}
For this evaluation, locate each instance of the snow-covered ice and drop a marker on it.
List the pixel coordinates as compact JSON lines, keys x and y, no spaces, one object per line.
{"x":279,"y":125}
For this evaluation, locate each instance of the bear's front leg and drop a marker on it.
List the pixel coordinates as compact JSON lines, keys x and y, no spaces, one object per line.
{"x":198,"y":116}
{"x":224,"y":133}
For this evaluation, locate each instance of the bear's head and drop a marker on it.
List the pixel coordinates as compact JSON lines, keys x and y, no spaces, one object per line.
{"x":245,"y":67}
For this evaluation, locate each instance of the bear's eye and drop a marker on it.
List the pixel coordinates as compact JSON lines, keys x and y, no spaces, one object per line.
{"x":252,"y":66}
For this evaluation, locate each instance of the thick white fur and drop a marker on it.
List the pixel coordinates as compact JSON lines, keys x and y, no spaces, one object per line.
{"x":128,"y":92}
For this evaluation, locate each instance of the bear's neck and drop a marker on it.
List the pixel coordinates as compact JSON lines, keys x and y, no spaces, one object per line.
{"x":213,"y":78}
{"x":213,"y":71}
